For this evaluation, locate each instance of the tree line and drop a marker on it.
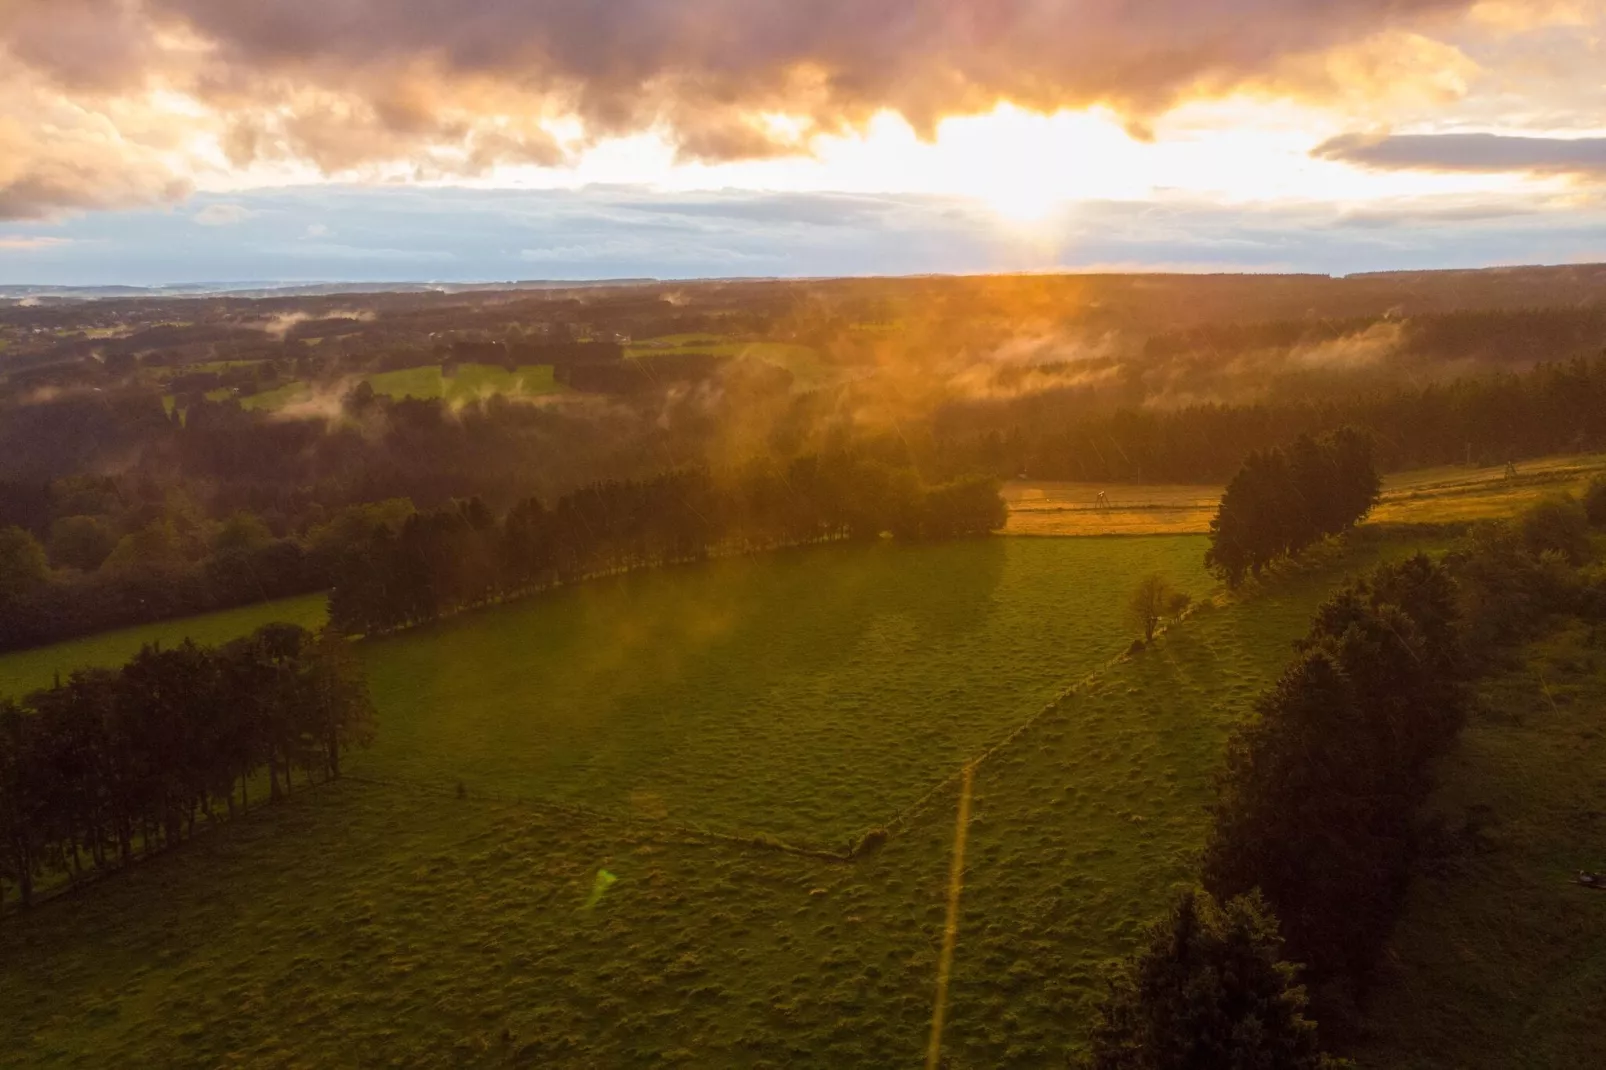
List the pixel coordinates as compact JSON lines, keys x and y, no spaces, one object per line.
{"x":1285,"y":499}
{"x":106,"y":564}
{"x":1487,"y":419}
{"x":92,"y":574}
{"x":463,"y":555}
{"x":114,"y":764}
{"x":1317,"y":822}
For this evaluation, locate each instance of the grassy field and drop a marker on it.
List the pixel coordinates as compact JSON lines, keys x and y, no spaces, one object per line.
{"x":380,"y":922}
{"x":23,"y":671}
{"x":471,"y":381}
{"x":1500,"y":960}
{"x":809,"y":695}
{"x":1429,"y":495}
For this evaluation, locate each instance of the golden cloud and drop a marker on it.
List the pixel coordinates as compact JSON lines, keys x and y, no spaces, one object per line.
{"x":455,"y":87}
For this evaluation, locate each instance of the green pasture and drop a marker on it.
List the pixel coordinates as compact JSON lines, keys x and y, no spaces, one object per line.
{"x":808,"y":694}
{"x":23,"y":671}
{"x":387,"y":921}
{"x":470,"y":382}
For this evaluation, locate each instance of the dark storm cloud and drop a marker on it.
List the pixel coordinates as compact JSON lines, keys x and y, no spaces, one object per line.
{"x":1470,"y":152}
{"x":623,"y":60}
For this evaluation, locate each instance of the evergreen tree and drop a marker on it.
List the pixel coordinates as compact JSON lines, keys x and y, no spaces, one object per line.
{"x":1282,"y":501}
{"x":1209,"y":990}
{"x":1318,"y":801}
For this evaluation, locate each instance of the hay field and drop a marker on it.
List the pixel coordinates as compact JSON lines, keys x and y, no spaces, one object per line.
{"x":1039,"y":507}
{"x":1456,"y":493}
{"x":1450,"y":494}
{"x":384,"y":924}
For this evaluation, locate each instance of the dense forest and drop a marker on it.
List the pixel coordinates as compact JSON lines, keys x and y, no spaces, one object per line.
{"x":1482,"y":419}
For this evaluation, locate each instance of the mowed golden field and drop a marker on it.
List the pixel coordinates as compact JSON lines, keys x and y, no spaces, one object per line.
{"x":1449,"y":494}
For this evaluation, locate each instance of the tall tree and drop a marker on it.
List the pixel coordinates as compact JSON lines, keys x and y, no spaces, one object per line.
{"x":1153,"y":600}
{"x":342,"y":712}
{"x":1209,"y":989}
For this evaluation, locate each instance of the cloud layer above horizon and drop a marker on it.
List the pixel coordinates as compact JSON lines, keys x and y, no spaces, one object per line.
{"x":115,"y":105}
{"x":347,"y":234}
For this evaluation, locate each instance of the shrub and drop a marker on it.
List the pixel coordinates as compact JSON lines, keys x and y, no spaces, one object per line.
{"x":81,"y":542}
{"x":23,"y":567}
{"x":1595,"y":502}
{"x":1153,"y":601}
{"x":873,"y":840}
{"x":1555,"y":524}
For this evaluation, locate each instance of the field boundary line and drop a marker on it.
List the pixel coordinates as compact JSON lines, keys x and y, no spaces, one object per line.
{"x":902,"y":820}
{"x":1340,"y":548}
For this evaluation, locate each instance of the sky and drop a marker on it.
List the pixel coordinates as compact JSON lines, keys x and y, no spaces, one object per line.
{"x":166,"y":141}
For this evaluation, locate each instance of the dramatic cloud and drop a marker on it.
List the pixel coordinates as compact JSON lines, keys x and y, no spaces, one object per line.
{"x":55,"y":156}
{"x":1471,"y":152}
{"x":433,"y":89}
